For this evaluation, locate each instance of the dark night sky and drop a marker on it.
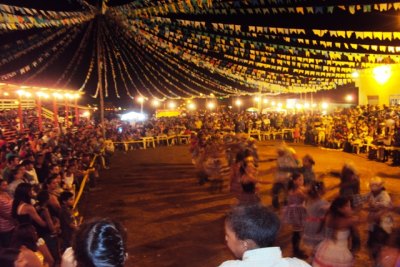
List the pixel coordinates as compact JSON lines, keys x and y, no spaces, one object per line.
{"x":147,"y":70}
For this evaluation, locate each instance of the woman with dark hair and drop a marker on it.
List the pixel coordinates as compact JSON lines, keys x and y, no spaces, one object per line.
{"x":52,"y":229}
{"x":350,"y":184}
{"x":99,"y":243}
{"x":52,"y":184}
{"x":339,"y":223}
{"x":22,"y":209}
{"x":7,"y":223}
{"x":248,"y":180}
{"x":250,"y":232}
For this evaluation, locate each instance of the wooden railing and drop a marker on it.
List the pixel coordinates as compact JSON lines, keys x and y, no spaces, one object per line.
{"x":13,"y":103}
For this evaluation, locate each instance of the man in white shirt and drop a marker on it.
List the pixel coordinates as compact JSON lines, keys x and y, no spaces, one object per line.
{"x":250,"y":233}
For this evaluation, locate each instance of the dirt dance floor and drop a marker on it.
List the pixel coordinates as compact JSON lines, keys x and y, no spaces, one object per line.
{"x":173,"y":221}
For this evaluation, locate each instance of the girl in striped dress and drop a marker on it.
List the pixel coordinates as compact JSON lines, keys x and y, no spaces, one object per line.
{"x":317,"y":208}
{"x":295,"y":212}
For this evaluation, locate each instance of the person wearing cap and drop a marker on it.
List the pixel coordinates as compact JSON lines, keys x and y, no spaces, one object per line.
{"x":378,"y":202}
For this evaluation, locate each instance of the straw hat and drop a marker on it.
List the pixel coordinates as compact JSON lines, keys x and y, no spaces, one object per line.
{"x":376,"y":182}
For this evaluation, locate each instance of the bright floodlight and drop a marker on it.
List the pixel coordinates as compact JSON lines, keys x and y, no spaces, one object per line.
{"x":279,"y":105}
{"x":290,"y":103}
{"x":256,"y":99}
{"x":191,"y":106}
{"x":382,"y":74}
{"x":355,"y":74}
{"x":238,"y":102}
{"x":27,"y":94}
{"x":156,"y":103}
{"x":306,"y":105}
{"x":140,"y":99}
{"x":211,"y":105}
{"x":299,"y":106}
{"x":20,"y":92}
{"x":324,"y":105}
{"x":265,"y":101}
{"x":349,"y":98}
{"x":86,"y":114}
{"x":171,"y":105}
{"x":133,"y":116}
{"x":273,"y":103}
{"x":57,"y":95}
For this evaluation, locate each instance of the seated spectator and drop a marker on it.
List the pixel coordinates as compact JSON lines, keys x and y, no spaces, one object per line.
{"x":250,"y":233}
{"x":98,"y":243}
{"x":25,"y":238}
{"x":12,"y":257}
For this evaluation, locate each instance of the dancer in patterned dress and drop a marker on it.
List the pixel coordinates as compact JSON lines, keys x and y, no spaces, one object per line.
{"x":295,"y":212}
{"x":316,"y":210}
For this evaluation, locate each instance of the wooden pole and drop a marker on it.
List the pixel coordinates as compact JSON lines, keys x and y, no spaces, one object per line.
{"x":39,"y":113}
{"x":21,"y":123}
{"x":55,"y":112}
{"x":66,"y":113}
{"x":99,"y":74}
{"x":76,"y":111}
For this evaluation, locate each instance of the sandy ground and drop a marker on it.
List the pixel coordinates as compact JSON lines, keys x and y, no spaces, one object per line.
{"x":172,"y":221}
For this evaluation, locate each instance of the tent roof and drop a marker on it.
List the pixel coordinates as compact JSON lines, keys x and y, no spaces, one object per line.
{"x":194,"y":48}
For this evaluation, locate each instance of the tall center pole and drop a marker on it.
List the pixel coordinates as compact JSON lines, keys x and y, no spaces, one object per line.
{"x":99,"y":74}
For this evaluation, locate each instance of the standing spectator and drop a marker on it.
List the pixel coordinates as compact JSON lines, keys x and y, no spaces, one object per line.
{"x":7,"y":223}
{"x":17,"y":177}
{"x":30,"y":172}
{"x":42,"y":168}
{"x":67,"y":219}
{"x":12,"y":162}
{"x":22,"y":209}
{"x":250,"y":233}
{"x":50,"y":232}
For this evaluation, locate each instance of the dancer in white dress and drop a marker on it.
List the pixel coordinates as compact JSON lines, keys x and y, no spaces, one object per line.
{"x":334,"y":250}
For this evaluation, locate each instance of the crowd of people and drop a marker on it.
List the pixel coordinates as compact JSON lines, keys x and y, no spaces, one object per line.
{"x":324,"y":233}
{"x":356,"y":129}
{"x":40,"y":172}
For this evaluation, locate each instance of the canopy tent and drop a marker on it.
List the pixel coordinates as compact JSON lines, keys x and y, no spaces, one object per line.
{"x":194,"y":48}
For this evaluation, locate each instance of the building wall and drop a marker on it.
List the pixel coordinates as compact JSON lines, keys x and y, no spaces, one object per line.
{"x":371,"y":92}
